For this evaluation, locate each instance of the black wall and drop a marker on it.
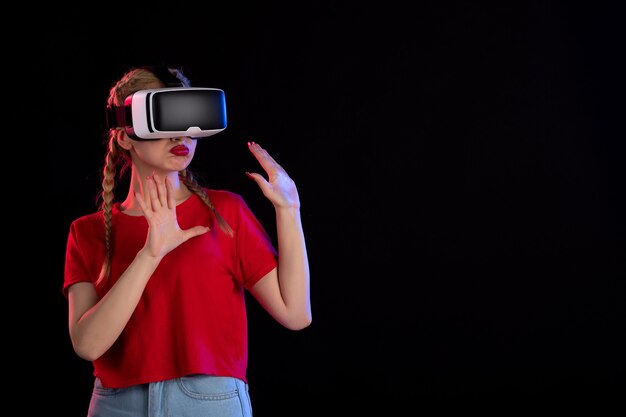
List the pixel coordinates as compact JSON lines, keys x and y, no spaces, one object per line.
{"x":461,"y":173}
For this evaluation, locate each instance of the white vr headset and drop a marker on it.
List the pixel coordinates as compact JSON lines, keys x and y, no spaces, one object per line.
{"x":170,"y":112}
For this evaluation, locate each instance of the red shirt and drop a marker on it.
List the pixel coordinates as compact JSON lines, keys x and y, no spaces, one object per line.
{"x":191,"y":317}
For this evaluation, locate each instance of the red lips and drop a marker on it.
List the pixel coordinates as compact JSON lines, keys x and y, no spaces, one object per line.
{"x":180,"y":150}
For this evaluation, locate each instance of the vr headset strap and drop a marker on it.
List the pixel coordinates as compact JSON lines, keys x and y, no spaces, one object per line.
{"x":164,"y":74}
{"x":118,"y":116}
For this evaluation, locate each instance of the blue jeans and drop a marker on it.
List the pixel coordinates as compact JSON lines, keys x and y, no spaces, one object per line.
{"x":189,"y":396}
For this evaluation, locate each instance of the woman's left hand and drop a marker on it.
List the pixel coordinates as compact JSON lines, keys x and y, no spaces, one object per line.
{"x":279,"y":188}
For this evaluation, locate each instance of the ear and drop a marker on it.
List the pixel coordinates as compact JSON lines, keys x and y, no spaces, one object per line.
{"x":124,"y":141}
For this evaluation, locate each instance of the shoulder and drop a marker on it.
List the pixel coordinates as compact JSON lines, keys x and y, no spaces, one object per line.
{"x":88,"y":219}
{"x":87,"y":227}
{"x":225,"y":198}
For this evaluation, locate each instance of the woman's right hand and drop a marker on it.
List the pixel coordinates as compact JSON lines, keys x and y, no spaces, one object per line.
{"x":159,"y":209}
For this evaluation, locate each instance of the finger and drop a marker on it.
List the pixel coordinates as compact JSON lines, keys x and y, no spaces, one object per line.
{"x":266,"y":154}
{"x":161,"y":192}
{"x":142,"y":203}
{"x":195,"y":231}
{"x":261,"y":182}
{"x":258,"y":178}
{"x":260,"y":154}
{"x":171,"y":201}
{"x":152,"y":193}
{"x":268,"y":163}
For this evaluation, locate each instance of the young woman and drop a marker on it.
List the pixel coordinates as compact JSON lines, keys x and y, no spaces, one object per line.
{"x":155,"y":283}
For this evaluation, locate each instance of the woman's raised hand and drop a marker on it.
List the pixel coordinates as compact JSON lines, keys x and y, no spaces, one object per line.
{"x":279,"y":188}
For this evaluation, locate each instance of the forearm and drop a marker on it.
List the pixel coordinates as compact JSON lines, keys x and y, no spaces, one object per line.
{"x":99,"y":327}
{"x":293,"y":264}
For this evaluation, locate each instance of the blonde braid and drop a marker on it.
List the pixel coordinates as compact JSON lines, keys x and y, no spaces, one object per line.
{"x":133,"y":80}
{"x":112,"y":159}
{"x":188,"y":179}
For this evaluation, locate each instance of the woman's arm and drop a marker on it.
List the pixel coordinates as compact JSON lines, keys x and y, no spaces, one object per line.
{"x":285,"y":291}
{"x":95,"y":324}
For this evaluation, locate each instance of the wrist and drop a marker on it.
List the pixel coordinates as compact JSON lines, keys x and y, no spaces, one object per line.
{"x":144,"y":255}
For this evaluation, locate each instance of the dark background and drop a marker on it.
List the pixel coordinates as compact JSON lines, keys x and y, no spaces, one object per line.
{"x":460,"y":168}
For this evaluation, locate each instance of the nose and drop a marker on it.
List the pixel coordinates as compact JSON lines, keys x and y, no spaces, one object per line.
{"x":181,"y":139}
{"x":186,"y":139}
